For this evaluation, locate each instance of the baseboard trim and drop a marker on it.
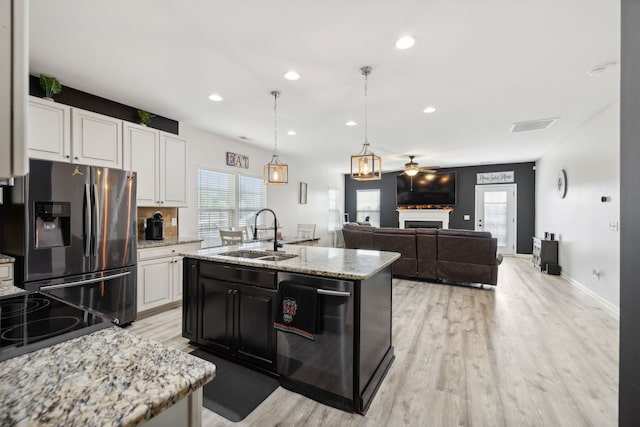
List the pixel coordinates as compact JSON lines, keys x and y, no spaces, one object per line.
{"x":520,"y":255}
{"x":150,"y":312}
{"x":612,"y":308}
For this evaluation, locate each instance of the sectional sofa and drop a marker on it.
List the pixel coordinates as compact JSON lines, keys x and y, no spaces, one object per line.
{"x":432,"y":254}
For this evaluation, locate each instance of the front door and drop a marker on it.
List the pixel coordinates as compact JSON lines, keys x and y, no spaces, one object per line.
{"x":496,"y":213}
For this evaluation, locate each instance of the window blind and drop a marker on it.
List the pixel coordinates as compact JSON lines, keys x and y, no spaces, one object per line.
{"x":251,"y":198}
{"x":216,"y":205}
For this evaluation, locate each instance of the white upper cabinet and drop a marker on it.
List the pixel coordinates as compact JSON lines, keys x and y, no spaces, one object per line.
{"x":173,"y":169}
{"x":49,"y":130}
{"x":96,"y":139}
{"x":160,"y":159}
{"x":64,"y":134}
{"x":142,"y":154}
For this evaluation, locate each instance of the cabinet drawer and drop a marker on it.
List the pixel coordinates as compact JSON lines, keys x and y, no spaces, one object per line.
{"x":6,"y":272}
{"x":236,"y":274}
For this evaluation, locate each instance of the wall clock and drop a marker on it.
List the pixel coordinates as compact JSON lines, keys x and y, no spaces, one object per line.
{"x":562,"y":184}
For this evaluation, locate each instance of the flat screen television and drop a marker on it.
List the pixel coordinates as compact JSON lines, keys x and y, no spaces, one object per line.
{"x":426,"y":189}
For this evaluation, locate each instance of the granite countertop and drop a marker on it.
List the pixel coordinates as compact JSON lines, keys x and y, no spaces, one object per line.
{"x":6,"y":259}
{"x":350,"y":264}
{"x":167,"y":241}
{"x":6,"y":289}
{"x":108,"y":378}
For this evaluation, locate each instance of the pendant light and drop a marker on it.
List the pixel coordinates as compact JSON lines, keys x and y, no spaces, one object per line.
{"x":366,"y":166}
{"x":275,"y":172}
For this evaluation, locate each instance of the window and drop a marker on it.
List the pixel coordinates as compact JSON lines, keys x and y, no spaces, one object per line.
{"x":226,"y":201}
{"x":334,"y":213}
{"x":251,"y":198}
{"x":368,"y":205}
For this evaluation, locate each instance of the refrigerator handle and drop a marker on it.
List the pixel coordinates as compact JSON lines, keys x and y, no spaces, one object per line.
{"x":84,"y":282}
{"x":87,"y":221}
{"x":94,"y":223}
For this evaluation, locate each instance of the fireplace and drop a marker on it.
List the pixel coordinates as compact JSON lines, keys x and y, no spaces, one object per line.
{"x":423,"y":224}
{"x":406,"y":217}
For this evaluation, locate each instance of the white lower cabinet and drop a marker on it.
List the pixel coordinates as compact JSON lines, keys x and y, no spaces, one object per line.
{"x":6,"y":274}
{"x":160,"y":275}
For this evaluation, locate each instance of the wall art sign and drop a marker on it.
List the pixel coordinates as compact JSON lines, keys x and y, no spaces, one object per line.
{"x":303,"y":193}
{"x":495,"y":177}
{"x":237,"y":160}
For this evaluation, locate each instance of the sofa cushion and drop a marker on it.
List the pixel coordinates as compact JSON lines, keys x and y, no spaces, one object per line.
{"x":358,"y":236}
{"x":427,"y":252}
{"x":398,"y":240}
{"x":471,"y":247}
{"x":464,"y":233}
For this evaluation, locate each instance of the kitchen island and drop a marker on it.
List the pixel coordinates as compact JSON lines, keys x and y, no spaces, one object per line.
{"x":231,"y":299}
{"x":107,"y":378}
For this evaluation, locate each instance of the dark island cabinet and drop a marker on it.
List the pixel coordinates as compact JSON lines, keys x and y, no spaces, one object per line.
{"x":232,"y":309}
{"x":216,"y":315}
{"x":189,"y":298}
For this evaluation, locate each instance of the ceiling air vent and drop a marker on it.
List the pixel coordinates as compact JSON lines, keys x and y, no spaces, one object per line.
{"x":532,"y":125}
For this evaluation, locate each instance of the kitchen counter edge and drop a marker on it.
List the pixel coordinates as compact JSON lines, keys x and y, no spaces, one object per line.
{"x":110,"y":377}
{"x":349,"y":264}
{"x":167,"y":241}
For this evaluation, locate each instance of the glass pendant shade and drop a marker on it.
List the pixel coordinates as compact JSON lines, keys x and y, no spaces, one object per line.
{"x":366,"y":166}
{"x":411,"y":168}
{"x":276,"y":173}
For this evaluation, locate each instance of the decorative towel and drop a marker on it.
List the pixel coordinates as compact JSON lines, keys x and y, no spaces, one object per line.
{"x":297,"y":309}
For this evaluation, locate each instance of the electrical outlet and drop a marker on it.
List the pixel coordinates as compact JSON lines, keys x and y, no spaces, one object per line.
{"x":613,"y":225}
{"x":174,"y":222}
{"x":596,"y":273}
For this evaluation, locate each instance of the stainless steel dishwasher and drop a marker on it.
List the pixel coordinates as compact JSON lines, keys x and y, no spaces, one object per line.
{"x":322,"y":368}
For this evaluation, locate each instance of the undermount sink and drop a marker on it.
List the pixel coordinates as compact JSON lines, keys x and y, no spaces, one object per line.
{"x":259,"y":255}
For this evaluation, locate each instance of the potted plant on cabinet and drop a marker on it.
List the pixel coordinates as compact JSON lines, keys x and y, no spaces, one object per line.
{"x":51,"y":86}
{"x":145,"y":117}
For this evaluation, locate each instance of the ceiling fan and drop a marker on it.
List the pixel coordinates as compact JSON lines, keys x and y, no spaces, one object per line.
{"x":412,"y":168}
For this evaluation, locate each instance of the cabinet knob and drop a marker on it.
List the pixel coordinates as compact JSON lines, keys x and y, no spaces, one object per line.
{"x":76,"y":157}
{"x":67,"y":156}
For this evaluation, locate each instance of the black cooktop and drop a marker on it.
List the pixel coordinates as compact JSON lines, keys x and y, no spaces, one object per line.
{"x":30,"y":321}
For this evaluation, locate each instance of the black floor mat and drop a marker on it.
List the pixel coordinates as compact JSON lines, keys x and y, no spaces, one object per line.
{"x":236,"y":390}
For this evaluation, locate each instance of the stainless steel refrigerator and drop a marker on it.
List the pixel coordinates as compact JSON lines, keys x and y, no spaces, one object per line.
{"x":73,"y":229}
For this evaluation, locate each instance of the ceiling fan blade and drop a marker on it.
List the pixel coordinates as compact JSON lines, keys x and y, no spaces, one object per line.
{"x":429,"y":169}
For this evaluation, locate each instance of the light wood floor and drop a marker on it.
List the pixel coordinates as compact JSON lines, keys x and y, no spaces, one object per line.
{"x":534,"y":351}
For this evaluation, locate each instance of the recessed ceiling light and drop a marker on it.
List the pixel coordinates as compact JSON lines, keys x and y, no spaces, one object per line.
{"x":291,"y":132}
{"x":215,"y":97}
{"x":351,"y":123}
{"x":429,"y":109}
{"x":291,"y":75}
{"x":405,"y":42}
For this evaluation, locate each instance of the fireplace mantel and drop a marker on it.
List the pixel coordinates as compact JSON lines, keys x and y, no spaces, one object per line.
{"x":437,"y":215}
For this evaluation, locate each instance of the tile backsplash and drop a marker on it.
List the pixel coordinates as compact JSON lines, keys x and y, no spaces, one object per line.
{"x":167,"y":214}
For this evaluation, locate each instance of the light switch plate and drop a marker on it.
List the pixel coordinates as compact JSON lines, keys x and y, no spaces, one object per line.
{"x":613,"y":225}
{"x":467,"y":217}
{"x":174,"y":222}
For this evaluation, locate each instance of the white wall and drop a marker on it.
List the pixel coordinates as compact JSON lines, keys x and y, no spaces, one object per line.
{"x":209,"y":150}
{"x":580,"y":221}
{"x":284,"y":199}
